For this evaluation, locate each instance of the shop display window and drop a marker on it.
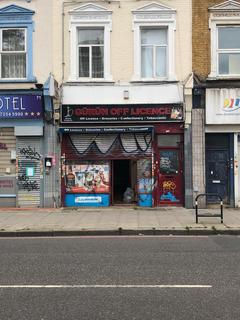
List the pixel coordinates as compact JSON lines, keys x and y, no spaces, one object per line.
{"x":88,"y":177}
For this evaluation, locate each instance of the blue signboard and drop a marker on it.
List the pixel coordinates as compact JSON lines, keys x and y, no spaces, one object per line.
{"x":87,"y":200}
{"x":21,"y":107}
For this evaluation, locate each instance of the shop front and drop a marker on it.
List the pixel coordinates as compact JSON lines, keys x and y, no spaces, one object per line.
{"x":122,"y":154}
{"x":221,"y":141}
{"x":21,"y":131}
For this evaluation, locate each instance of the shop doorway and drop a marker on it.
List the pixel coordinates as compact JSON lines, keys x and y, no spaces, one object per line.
{"x":121,"y":180}
{"x":217,"y":174}
{"x":170,"y":177}
{"x":170,"y":170}
{"x":219,"y":169}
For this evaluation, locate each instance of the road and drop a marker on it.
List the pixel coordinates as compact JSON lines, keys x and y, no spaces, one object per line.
{"x":142,"y":278}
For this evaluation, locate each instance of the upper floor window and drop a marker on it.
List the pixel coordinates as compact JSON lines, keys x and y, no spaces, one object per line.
{"x":154,"y":52}
{"x":13,"y":53}
{"x":224,"y":23}
{"x":154,"y":56}
{"x":90,"y":43}
{"x":91,"y":52}
{"x":229,"y":50}
{"x":16,"y":47}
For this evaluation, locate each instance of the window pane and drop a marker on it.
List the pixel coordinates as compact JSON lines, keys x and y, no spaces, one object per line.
{"x":90,"y":36}
{"x":147,"y":62}
{"x":14,"y":65}
{"x":97,"y":62}
{"x":154,"y":36}
{"x":229,"y":38}
{"x":161,"y":62}
{"x":13,"y":40}
{"x":229,"y":63}
{"x":168,"y":140}
{"x":84,"y":62}
{"x":169,"y":162}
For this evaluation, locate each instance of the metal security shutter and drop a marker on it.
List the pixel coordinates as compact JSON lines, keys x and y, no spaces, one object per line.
{"x":7,"y":168}
{"x":107,"y":146}
{"x":29,"y":164}
{"x":7,"y":144}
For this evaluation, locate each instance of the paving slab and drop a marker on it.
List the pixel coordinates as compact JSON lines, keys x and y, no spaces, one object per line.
{"x":114,"y":220}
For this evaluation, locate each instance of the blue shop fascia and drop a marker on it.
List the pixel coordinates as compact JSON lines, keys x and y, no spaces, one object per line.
{"x":21,"y":147}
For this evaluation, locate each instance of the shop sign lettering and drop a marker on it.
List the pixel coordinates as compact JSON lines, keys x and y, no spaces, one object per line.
{"x":21,"y":107}
{"x":90,"y":113}
{"x":30,"y":153}
{"x":3,"y":146}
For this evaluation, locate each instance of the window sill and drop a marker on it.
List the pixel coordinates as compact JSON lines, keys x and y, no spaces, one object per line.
{"x":89,"y":82}
{"x":223,"y":77}
{"x":33,"y":80}
{"x":154,"y":81}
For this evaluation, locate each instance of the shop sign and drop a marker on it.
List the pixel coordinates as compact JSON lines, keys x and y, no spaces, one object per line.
{"x":7,"y":185}
{"x":121,"y":113}
{"x":85,"y":200}
{"x":21,"y":107}
{"x":223,"y":106}
{"x":88,"y":199}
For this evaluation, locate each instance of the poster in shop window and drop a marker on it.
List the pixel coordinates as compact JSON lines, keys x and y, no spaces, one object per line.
{"x":144,"y":167}
{"x":88,"y":178}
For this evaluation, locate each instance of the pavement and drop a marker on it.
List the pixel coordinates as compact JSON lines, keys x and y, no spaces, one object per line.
{"x":115,"y":220}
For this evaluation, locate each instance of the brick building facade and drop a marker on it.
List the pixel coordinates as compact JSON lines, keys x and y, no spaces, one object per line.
{"x":215,"y":114}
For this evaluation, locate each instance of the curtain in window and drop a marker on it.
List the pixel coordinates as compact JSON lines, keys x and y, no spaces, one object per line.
{"x":97,"y":62}
{"x":161,"y":61}
{"x":153,"y":52}
{"x":84,"y":62}
{"x":13,"y":57}
{"x":147,"y":62}
{"x":14,"y":65}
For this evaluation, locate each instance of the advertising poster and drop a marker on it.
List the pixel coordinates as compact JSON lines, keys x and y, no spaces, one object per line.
{"x":88,"y":178}
{"x":144,"y":168}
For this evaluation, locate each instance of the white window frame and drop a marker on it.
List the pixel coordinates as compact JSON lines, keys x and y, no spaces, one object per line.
{"x":12,"y":52}
{"x":89,"y":16}
{"x":226,"y":14}
{"x":155,"y":16}
{"x":90,"y":56}
{"x":219,"y":51}
{"x":154,"y":47}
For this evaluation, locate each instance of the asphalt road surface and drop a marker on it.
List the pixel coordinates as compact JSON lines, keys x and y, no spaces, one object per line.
{"x":141,"y":278}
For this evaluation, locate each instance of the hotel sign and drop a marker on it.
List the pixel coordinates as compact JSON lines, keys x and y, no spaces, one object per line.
{"x":121,"y":113}
{"x":21,"y":107}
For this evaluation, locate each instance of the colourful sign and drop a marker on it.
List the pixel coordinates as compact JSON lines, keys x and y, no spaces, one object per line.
{"x":119,"y":113}
{"x":231,"y":104}
{"x":88,"y":178}
{"x":21,"y":107}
